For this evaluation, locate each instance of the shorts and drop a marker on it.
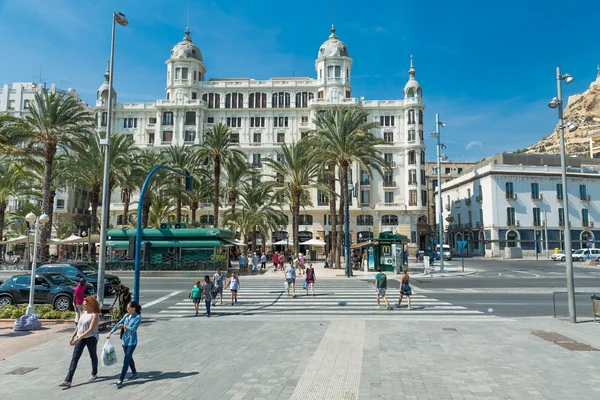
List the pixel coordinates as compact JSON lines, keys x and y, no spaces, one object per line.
{"x":219,"y":289}
{"x":381,"y":291}
{"x":196,"y":300}
{"x":291,"y":280}
{"x":234,"y":290}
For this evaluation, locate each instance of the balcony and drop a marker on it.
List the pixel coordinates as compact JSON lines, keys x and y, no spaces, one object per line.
{"x":510,"y":196}
{"x":447,"y":207}
{"x":587,"y":224}
{"x":479,"y":199}
{"x":389,"y":184}
{"x":390,"y":164}
{"x":585,"y":198}
{"x":365,"y":182}
{"x":457,"y":204}
{"x":412,"y":182}
{"x":468,"y":202}
{"x":468,"y":226}
{"x":513,"y":223}
{"x":479,"y":225}
{"x":256,"y":165}
{"x":537,"y":197}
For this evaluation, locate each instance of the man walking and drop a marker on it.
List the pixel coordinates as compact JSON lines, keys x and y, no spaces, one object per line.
{"x":381,"y":283}
{"x":254,"y":262}
{"x":218,"y":280}
{"x":263,"y":262}
{"x":290,"y":277}
{"x":78,"y":294}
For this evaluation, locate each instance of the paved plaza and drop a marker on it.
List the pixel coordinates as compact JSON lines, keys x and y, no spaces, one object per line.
{"x":336,"y":345}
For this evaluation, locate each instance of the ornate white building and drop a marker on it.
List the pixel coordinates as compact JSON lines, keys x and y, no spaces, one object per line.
{"x":264,"y":114}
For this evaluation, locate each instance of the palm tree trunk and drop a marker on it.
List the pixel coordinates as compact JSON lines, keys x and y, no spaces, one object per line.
{"x":217,"y":172}
{"x":47,"y":206}
{"x":342,"y":213}
{"x":332,"y":215}
{"x":147,"y":203}
{"x":94,"y":198}
{"x":178,"y":214}
{"x":194,"y":208}
{"x":3,"y":206}
{"x":253,"y":244}
{"x":295,"y":220}
{"x":126,"y":200}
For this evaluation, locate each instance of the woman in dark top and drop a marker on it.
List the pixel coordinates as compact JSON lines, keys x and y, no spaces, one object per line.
{"x":405,"y":289}
{"x":310,"y":279}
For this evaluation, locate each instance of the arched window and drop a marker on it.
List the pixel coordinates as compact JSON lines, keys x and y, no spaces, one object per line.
{"x":305,"y":219}
{"x":207,"y":219}
{"x":364,"y":220}
{"x":422,"y":219}
{"x":234,"y":100}
{"x":410,"y":93}
{"x":213,"y":100}
{"x":257,"y":100}
{"x":280,"y":100}
{"x":420,"y":116}
{"x":302,"y":99}
{"x":389,"y":220}
{"x":411,"y":116}
{"x":511,"y":239}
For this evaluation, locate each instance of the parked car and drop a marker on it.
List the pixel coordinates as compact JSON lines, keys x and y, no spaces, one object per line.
{"x":582,"y":254}
{"x":446,"y":252}
{"x":75,"y":271}
{"x":50,"y":288}
{"x":560,"y":256}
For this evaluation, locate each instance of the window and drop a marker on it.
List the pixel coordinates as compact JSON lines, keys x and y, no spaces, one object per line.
{"x":559,"y":191}
{"x":583,"y":192}
{"x":481,"y":217}
{"x":389,"y":197}
{"x":152,"y":121}
{"x":22,"y":280}
{"x":364,"y":177}
{"x":510,"y":216}
{"x":412,"y":177}
{"x":304,"y":119}
{"x":364,"y":220}
{"x":194,"y":96}
{"x":257,"y":122}
{"x":256,"y":137}
{"x":302,"y":99}
{"x":305,"y":219}
{"x":509,"y":190}
{"x":167,"y":118}
{"x":190,"y":118}
{"x":234,"y":100}
{"x":330,"y":71}
{"x":184,"y":73}
{"x":60,"y":204}
{"x":388,"y":179}
{"x":389,"y":220}
{"x":420,"y":117}
{"x":365,"y":197}
{"x":460,"y":170}
{"x":150,"y":138}
{"x":178,"y":73}
{"x":411,"y":116}
{"x":537,"y":220}
{"x":421,"y":138}
{"x":422,"y":177}
{"x":104,"y":118}
{"x":234,"y":122}
{"x":320,"y":73}
{"x":411,"y":135}
{"x":210,"y":120}
{"x":434,"y":183}
{"x":389,"y":159}
{"x":338,"y":71}
{"x":412,"y":158}
{"x":561,"y":217}
{"x":412,"y":197}
{"x":280,"y":100}
{"x":585,"y":218}
{"x":447,"y":171}
{"x":189,"y":136}
{"x":470,"y":216}
{"x":213,"y":100}
{"x":535,"y":191}
{"x":458,"y":219}
{"x":235,"y":137}
{"x":26,"y":104}
{"x":387,"y":120}
{"x":207,"y":219}
{"x":195,"y":76}
{"x":256,"y":162}
{"x":257,"y":100}
{"x":322,"y":199}
{"x":347,"y":74}
{"x":480,"y":190}
{"x":167,"y":136}
{"x":469,"y":194}
{"x":280,"y":137}
{"x":388,"y":137}
{"x":280,"y":122}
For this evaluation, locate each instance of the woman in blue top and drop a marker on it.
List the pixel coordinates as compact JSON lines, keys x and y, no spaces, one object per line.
{"x":129,"y":324}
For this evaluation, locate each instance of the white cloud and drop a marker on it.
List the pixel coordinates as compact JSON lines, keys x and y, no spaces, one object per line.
{"x":474,"y":143}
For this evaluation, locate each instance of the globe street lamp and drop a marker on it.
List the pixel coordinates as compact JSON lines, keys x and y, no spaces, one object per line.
{"x":37,"y":224}
{"x":440,"y":146}
{"x":121,"y":20}
{"x":558,"y":103}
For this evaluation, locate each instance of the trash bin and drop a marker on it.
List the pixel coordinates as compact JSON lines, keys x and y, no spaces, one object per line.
{"x":596,"y":306}
{"x":313,"y":255}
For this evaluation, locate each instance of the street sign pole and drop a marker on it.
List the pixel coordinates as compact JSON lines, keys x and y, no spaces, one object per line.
{"x":462,"y":244}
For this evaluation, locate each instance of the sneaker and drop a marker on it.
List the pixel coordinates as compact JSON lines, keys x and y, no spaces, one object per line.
{"x":378,"y":306}
{"x":132,"y":377}
{"x":232,"y":303}
{"x":119,"y":384}
{"x":388,"y":307}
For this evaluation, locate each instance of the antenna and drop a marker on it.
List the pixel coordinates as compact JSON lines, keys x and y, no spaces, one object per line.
{"x":187,"y":14}
{"x":40,"y":76}
{"x":294,"y":70}
{"x":332,"y":12}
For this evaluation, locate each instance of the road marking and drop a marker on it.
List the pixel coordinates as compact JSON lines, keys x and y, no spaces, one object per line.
{"x":505,"y":304}
{"x":161,"y":299}
{"x":506,"y":275}
{"x":529,"y":273}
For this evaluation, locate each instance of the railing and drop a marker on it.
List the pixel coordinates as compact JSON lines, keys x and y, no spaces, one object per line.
{"x":479,"y":199}
{"x":468,"y":225}
{"x":447,"y":207}
{"x":585,"y":197}
{"x":512,"y":223}
{"x":389,"y":184}
{"x":365,"y":183}
{"x":479,"y":225}
{"x":511,"y":196}
{"x":468,"y":202}
{"x":539,"y":196}
{"x":457,"y":204}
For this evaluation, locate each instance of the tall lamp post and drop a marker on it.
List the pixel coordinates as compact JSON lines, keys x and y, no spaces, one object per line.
{"x":121,"y":20}
{"x":37,"y":224}
{"x":351,"y":190}
{"x":558,"y":103}
{"x":440,"y":146}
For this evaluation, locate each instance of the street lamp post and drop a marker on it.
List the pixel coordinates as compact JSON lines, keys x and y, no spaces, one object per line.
{"x":121,"y":20}
{"x":439,"y":146}
{"x":558,"y":103}
{"x":351,"y":190}
{"x":37,"y":224}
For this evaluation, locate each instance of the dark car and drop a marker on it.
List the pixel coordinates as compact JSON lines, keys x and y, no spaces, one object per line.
{"x":75,"y":271}
{"x":50,"y":288}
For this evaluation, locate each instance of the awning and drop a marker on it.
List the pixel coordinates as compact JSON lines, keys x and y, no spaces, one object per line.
{"x":361,"y":244}
{"x":188,"y":244}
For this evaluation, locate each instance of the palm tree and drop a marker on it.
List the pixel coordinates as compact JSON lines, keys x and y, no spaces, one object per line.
{"x":53,"y":120}
{"x":217,"y":148}
{"x":11,"y":184}
{"x":147,"y":160}
{"x":201,"y":192}
{"x":236,"y":181}
{"x":298,"y":168}
{"x":163,"y":209}
{"x":181,"y":158}
{"x":343,"y":137}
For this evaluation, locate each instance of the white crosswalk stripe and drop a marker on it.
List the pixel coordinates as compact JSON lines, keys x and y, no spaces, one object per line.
{"x":334,"y":298}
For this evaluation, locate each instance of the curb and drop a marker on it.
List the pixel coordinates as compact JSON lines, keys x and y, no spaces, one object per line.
{"x":446,"y":275}
{"x":46,"y":321}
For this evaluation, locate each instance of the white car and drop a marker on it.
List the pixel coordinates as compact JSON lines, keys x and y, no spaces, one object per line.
{"x":560,"y":256}
{"x":585,"y":254}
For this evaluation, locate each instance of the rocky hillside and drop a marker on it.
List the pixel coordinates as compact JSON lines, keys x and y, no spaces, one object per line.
{"x":582,"y":109}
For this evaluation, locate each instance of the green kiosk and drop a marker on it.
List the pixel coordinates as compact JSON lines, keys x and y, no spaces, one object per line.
{"x":385,"y":251}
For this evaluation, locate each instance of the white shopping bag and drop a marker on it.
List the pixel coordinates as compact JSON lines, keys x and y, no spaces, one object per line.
{"x":109,"y":354}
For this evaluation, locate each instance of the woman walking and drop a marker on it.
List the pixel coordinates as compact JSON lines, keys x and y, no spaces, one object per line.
{"x":207,"y":293}
{"x":85,"y":335}
{"x":234,"y":285}
{"x":310,"y":279}
{"x":196,"y":295}
{"x":129,"y":323}
{"x":275,"y":260}
{"x":405,"y":289}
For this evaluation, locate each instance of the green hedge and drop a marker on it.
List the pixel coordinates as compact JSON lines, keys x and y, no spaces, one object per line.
{"x":45,"y":311}
{"x":200,"y":265}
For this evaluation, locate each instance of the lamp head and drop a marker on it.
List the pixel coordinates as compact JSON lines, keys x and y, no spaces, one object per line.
{"x":44,"y":218}
{"x":444,"y":157}
{"x":433,"y":134}
{"x":553,"y":103}
{"x":567,"y":78}
{"x":443,"y":125}
{"x":572,"y":127}
{"x":31,"y":217}
{"x":121,"y":19}
{"x":443,"y":146}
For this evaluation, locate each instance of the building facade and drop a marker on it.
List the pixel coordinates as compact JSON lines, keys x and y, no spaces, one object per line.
{"x":264,"y":114}
{"x":71,"y":203}
{"x":516,"y":200}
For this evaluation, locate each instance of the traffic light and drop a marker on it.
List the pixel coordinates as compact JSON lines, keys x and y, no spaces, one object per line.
{"x":131,"y":248}
{"x":147,"y":246}
{"x":189,"y":181}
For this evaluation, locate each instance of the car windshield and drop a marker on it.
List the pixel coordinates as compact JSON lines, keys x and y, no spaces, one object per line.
{"x":87,"y":270}
{"x":579,"y":251}
{"x":59,"y":279}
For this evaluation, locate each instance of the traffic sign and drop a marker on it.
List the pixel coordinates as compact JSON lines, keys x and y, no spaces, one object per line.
{"x":462,"y":244}
{"x":592,"y":240}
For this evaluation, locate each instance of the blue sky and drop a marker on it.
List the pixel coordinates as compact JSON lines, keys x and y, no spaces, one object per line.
{"x":487,"y":67}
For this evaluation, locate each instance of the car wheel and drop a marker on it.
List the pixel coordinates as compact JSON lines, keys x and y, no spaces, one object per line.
{"x":563,"y":259}
{"x":5,"y":301}
{"x":62,"y":303}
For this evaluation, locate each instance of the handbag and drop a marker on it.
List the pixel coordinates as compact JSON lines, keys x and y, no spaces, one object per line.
{"x":286,"y":285}
{"x":305,"y":286}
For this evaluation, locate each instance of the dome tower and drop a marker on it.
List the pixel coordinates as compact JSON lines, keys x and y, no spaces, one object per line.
{"x":333,"y":67}
{"x":185,"y":68}
{"x":102,"y":93}
{"x":412,"y":87}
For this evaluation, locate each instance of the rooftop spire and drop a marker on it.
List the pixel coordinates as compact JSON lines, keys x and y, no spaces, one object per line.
{"x":187,"y":34}
{"x":107,"y":73}
{"x":412,"y":72}
{"x":332,"y":30}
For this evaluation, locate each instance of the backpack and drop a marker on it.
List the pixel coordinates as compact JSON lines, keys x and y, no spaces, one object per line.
{"x":382,"y":281}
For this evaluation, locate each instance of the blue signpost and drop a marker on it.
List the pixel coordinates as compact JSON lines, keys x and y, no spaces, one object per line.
{"x":462,"y":244}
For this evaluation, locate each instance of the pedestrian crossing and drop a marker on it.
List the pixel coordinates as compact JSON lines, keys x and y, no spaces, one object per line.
{"x":335,"y":298}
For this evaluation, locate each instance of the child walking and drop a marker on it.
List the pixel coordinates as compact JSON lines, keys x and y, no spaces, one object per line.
{"x":234,"y":285}
{"x":196,"y":295}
